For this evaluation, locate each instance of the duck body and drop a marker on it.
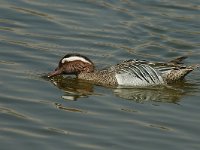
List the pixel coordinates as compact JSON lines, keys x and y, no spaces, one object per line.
{"x":127,"y":73}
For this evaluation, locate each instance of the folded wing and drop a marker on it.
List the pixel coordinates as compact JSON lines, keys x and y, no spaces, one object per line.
{"x":137,"y":74}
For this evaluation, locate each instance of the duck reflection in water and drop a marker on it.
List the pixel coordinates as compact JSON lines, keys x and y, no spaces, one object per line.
{"x":72,"y":87}
{"x":75,"y":88}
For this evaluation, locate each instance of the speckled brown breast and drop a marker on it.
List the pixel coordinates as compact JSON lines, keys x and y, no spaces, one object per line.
{"x":102,"y":77}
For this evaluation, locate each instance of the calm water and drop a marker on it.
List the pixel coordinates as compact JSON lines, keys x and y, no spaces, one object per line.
{"x":36,"y":113}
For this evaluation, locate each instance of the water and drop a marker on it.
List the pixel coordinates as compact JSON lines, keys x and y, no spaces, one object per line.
{"x":70,"y":114}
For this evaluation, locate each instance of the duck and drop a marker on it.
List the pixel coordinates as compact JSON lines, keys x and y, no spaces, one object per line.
{"x":132,"y":72}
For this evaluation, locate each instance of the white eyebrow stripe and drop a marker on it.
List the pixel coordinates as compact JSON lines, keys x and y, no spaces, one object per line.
{"x":73,"y":58}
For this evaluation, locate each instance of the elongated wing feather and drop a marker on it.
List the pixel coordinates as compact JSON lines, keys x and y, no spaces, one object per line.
{"x":136,"y":74}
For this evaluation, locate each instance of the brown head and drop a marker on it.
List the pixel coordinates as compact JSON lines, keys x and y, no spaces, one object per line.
{"x":73,"y":64}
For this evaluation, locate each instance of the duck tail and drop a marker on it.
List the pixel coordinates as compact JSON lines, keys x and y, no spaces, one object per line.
{"x":179,"y":74}
{"x":178,"y":60}
{"x":189,"y":69}
{"x":195,"y":66}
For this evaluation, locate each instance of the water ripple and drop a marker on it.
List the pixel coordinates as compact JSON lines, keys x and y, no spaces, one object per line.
{"x":38,"y":113}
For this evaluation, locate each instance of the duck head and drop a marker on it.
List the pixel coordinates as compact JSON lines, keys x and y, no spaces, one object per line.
{"x":73,"y":64}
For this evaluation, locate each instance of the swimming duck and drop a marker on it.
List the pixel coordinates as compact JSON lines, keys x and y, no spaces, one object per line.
{"x":127,"y":73}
